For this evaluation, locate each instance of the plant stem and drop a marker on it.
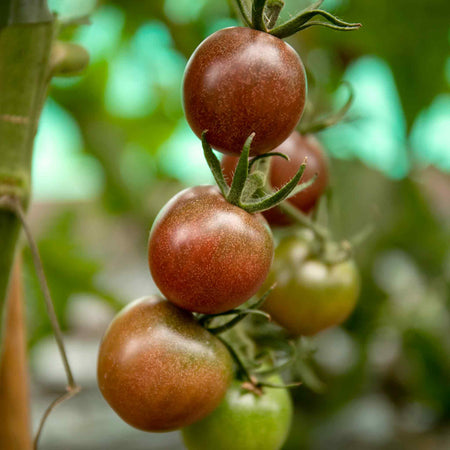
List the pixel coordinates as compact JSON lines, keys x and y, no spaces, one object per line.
{"x":301,"y":219}
{"x":15,"y":430}
{"x":24,"y":54}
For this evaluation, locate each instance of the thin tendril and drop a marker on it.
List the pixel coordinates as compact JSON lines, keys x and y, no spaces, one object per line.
{"x":72,"y":389}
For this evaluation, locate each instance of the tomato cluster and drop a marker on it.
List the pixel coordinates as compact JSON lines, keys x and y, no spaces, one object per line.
{"x":210,"y":250}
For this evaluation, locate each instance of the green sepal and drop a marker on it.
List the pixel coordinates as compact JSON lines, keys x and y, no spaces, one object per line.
{"x":255,"y":181}
{"x":245,"y":12}
{"x":303,"y":21}
{"x":332,"y":119}
{"x":241,"y":314}
{"x":301,"y":187}
{"x":266,"y":155}
{"x":271,"y":200}
{"x":240,"y":174}
{"x":214,"y":165}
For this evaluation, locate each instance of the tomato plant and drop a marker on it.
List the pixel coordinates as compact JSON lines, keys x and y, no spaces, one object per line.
{"x":311,"y":295}
{"x":159,"y":369}
{"x":296,"y":147}
{"x":241,"y":81}
{"x":207,"y":255}
{"x":244,"y":421}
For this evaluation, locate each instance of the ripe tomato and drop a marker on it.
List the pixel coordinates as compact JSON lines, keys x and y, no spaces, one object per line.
{"x":310,"y":295}
{"x":207,"y":255}
{"x":297,"y":147}
{"x":239,"y":81}
{"x":159,"y":369}
{"x":244,"y":421}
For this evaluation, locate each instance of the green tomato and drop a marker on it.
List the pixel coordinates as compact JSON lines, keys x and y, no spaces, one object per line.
{"x":310,"y":295}
{"x":244,"y":421}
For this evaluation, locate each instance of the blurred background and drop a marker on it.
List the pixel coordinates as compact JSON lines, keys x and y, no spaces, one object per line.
{"x":113,"y":146}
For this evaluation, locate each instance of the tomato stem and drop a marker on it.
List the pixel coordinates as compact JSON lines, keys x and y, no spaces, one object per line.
{"x":258,"y":15}
{"x":305,"y":221}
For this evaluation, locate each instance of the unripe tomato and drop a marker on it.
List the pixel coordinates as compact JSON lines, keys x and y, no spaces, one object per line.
{"x":244,"y":421}
{"x":310,"y":295}
{"x":297,"y":148}
{"x":207,"y":255}
{"x":159,"y":369}
{"x":239,"y":81}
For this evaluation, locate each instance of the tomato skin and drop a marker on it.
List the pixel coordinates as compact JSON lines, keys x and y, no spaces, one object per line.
{"x":239,"y":81}
{"x":207,"y":255}
{"x":244,"y":421}
{"x":310,"y":295}
{"x":297,"y":147}
{"x":159,"y":369}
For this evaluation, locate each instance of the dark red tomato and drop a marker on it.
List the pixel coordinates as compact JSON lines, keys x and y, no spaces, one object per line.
{"x":207,"y":255}
{"x":159,"y":369}
{"x":244,"y":421}
{"x":297,"y":147}
{"x":310,"y":295}
{"x":239,"y":81}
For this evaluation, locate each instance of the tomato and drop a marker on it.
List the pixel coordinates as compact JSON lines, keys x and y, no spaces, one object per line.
{"x":159,"y":369}
{"x":239,"y":81}
{"x":207,"y":255}
{"x":310,"y":295}
{"x":297,"y":148}
{"x":244,"y":421}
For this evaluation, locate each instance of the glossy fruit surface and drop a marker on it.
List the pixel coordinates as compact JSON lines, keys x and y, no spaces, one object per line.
{"x":297,"y":148}
{"x":244,"y":421}
{"x":207,"y":255}
{"x":310,"y":295}
{"x":239,"y":81}
{"x":159,"y":369}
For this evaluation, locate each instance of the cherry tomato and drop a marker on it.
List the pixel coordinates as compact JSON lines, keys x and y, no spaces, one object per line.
{"x":310,"y":295}
{"x":297,"y":148}
{"x":207,"y":255}
{"x":244,"y":421}
{"x":159,"y":369}
{"x":239,"y":81}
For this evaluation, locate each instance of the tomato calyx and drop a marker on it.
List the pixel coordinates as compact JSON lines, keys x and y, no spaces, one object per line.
{"x":246,"y":190}
{"x":240,"y":314}
{"x":264,"y":14}
{"x":332,"y":119}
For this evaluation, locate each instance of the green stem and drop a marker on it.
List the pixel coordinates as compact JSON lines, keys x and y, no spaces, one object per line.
{"x":258,"y":15}
{"x":303,"y":220}
{"x":24,"y":54}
